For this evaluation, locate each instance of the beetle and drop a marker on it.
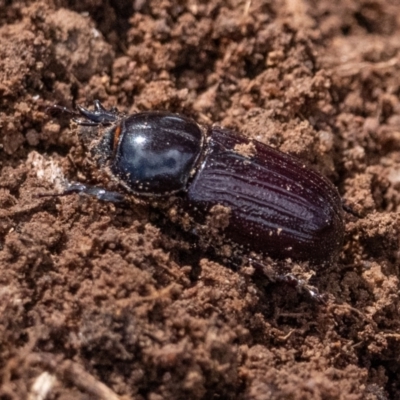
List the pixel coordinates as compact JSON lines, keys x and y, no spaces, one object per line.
{"x":260,"y":200}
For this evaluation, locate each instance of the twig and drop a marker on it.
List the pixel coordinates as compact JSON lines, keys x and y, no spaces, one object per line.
{"x":74,"y":373}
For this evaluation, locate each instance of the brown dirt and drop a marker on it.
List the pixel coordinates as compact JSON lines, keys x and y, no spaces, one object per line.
{"x":97,"y":302}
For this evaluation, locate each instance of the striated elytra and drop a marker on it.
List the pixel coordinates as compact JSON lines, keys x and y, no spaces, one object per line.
{"x":275,"y":205}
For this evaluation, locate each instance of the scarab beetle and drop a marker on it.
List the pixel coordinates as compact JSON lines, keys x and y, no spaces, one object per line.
{"x":274,"y":204}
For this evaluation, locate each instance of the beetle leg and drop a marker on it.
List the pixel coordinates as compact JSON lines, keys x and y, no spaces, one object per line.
{"x":302,"y":286}
{"x":289,"y":279}
{"x":98,"y":192}
{"x":99,"y":116}
{"x":84,"y":122}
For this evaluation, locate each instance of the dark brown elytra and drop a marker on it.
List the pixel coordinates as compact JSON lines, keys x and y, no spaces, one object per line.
{"x":274,"y":204}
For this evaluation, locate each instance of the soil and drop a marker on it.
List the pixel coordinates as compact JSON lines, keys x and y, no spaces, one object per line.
{"x":99,"y":301}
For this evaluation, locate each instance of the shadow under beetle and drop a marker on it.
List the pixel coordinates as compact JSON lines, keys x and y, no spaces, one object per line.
{"x":269,"y":202}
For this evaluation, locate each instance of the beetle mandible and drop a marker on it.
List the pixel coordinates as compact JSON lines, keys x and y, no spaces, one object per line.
{"x":274,"y":204}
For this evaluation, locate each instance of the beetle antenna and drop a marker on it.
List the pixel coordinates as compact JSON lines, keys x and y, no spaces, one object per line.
{"x":55,"y":110}
{"x":83,"y":116}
